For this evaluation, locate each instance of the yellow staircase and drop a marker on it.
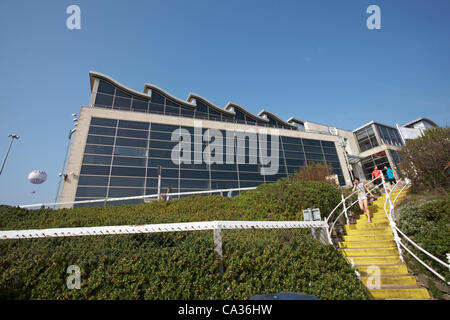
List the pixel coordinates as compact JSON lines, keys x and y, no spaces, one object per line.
{"x":371,"y":248}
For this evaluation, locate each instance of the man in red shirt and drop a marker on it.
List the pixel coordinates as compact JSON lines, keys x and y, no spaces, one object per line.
{"x":376,"y":174}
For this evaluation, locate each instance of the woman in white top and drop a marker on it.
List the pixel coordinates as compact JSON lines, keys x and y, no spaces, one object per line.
{"x":362,"y":197}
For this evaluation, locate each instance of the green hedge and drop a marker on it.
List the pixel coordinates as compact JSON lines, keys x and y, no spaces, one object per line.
{"x":179,"y":265}
{"x":428,"y":224}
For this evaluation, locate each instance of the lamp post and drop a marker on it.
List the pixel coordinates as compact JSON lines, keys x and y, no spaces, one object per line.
{"x":63,"y":175}
{"x":12,"y":136}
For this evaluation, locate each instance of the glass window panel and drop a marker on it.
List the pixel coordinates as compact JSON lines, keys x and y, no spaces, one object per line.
{"x":169,"y":173}
{"x":156,"y":144}
{"x":98,"y":149}
{"x":248,"y":184}
{"x":295,"y":162}
{"x":133,"y":125}
{"x":151,"y":191}
{"x":292,"y":147}
{"x":129,"y":142}
{"x":165,"y":163}
{"x":254,"y":176}
{"x":249,"y":167}
{"x":329,"y":144}
{"x":192,"y":165}
{"x":104,"y":122}
{"x":90,"y":159}
{"x":194,"y":184}
{"x":159,"y":153}
{"x":169,"y":183}
{"x":224,"y":184}
{"x":100,"y":140}
{"x":194,"y":174}
{"x":311,"y":149}
{"x":156,"y":108}
{"x":201,"y":115}
{"x":201,"y":107}
{"x":140,"y":104}
{"x":132,"y":152}
{"x":122,"y":103}
{"x":132,"y":133}
{"x":128,"y":171}
{"x":331,"y":151}
{"x":331,"y":157}
{"x":172,"y":111}
{"x":126,"y":161}
{"x":125,"y":192}
{"x":163,"y":127}
{"x":92,"y":181}
{"x":94,"y":170}
{"x":123,"y":94}
{"x":294,"y":155}
{"x":309,"y":142}
{"x":152,"y":183}
{"x":187,"y":112}
{"x":104,"y":99}
{"x":224,"y":175}
{"x":127,"y":182}
{"x":105,"y":87}
{"x":102,"y":131}
{"x":314,"y":156}
{"x":166,"y":136}
{"x":91,"y":192}
{"x":157,"y":98}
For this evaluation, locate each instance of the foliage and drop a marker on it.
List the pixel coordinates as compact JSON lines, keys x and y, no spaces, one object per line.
{"x":179,"y":265}
{"x":424,"y":160}
{"x":315,"y":171}
{"x":428,"y":224}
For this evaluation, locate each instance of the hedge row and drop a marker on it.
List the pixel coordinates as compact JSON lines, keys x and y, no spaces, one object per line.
{"x":179,"y":265}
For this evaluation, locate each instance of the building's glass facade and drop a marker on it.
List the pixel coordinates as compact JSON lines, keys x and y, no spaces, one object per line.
{"x":366,"y":138}
{"x":110,"y":97}
{"x":121,"y":158}
{"x":379,"y":159}
{"x":389,"y":135}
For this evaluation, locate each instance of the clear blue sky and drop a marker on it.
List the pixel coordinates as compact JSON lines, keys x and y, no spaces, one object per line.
{"x":315,"y":60}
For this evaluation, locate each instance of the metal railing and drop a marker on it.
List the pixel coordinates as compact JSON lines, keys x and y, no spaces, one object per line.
{"x":345,"y":208}
{"x":397,"y":233}
{"x":143,"y":197}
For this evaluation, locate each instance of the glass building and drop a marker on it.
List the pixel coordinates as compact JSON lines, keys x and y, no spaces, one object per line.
{"x":125,"y":137}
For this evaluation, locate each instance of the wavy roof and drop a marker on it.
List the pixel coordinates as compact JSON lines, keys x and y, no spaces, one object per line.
{"x":191,"y":101}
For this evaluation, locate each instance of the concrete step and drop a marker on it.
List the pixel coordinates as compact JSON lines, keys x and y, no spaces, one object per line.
{"x":374,"y":225}
{"x":374,"y":260}
{"x":410,"y":293}
{"x":399,"y":269}
{"x":367,"y":244}
{"x":372,"y":231}
{"x":373,"y":237}
{"x":384,"y":281}
{"x":369,"y":251}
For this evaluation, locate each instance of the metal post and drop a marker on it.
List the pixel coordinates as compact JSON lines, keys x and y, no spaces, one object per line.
{"x":218,"y":247}
{"x":159,"y":183}
{"x":345,"y":207}
{"x":12,"y":136}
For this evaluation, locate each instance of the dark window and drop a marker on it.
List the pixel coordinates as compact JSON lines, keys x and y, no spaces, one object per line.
{"x":187,"y":112}
{"x":165,"y":163}
{"x":92,"y":180}
{"x":105,"y":87}
{"x":128,"y":171}
{"x":104,"y":99}
{"x":201,"y":107}
{"x":98,"y":149}
{"x":140,"y":105}
{"x":309,"y":149}
{"x":163,"y":127}
{"x":309,"y":142}
{"x":100,"y":140}
{"x":224,"y":175}
{"x":104,"y":122}
{"x":127,"y":161}
{"x":91,"y":192}
{"x":194,"y":184}
{"x":166,"y":136}
{"x":133,"y":125}
{"x":122,"y":103}
{"x":126,"y":182}
{"x":94,"y":170}
{"x":157,"y":98}
{"x":156,"y":144}
{"x":131,"y":152}
{"x":132,"y":133}
{"x":156,"y":108}
{"x":194,"y":174}
{"x":102,"y":131}
{"x":159,"y":153}
{"x":329,"y":144}
{"x":131,"y":142}
{"x":121,"y":93}
{"x":125,"y":192}
{"x":90,"y":159}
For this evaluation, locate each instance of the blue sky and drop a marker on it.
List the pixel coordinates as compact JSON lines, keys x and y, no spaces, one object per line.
{"x":315,"y":60}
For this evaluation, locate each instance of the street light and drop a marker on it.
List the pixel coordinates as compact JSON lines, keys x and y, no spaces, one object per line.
{"x":12,"y":136}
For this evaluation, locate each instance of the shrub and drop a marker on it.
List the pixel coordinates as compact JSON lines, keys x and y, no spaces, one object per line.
{"x":424,"y":160}
{"x":428,"y":224}
{"x":179,"y":265}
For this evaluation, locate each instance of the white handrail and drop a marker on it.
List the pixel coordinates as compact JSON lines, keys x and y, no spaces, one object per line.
{"x":135,"y":197}
{"x":397,"y":231}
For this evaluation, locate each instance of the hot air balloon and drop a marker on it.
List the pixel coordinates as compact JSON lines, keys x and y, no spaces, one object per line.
{"x":37,"y":176}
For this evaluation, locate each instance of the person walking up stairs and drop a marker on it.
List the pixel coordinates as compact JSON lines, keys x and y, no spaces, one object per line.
{"x":371,"y":248}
